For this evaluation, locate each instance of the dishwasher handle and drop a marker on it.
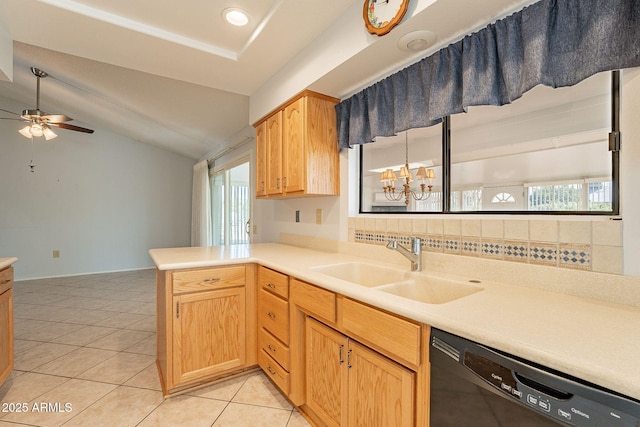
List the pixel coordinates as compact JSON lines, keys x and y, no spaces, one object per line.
{"x":542,"y":388}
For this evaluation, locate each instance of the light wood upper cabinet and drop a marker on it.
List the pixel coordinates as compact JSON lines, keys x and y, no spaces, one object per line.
{"x":293,"y":163}
{"x":273,"y":154}
{"x":298,"y":142}
{"x":261,"y":160}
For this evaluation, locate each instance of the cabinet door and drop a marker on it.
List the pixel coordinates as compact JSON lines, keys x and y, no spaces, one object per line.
{"x":261,"y":159}
{"x":381,"y":392}
{"x":208,"y":333}
{"x":294,"y":162}
{"x":6,"y":334}
{"x":326,"y":377}
{"x":274,"y":154}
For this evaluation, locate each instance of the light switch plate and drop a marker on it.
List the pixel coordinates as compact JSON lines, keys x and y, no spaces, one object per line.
{"x":318,"y":216}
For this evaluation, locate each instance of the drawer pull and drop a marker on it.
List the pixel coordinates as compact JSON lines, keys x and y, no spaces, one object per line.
{"x":271,"y":348}
{"x":212,"y":280}
{"x":341,"y":358}
{"x":271,"y":315}
{"x":270,"y":285}
{"x":271,"y":371}
{"x":4,"y":282}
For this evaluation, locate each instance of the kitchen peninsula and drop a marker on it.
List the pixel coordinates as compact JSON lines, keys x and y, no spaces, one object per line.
{"x":589,"y":338}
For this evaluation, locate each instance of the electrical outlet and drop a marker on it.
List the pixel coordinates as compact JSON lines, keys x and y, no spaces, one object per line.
{"x":318,"y":216}
{"x":255,"y":229}
{"x":56,"y":253}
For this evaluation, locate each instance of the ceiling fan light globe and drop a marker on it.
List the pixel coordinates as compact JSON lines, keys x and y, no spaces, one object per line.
{"x":48,"y":133}
{"x":26,"y":132}
{"x":36,"y":130}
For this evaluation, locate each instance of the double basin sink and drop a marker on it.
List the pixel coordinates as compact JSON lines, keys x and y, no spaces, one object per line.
{"x":414,"y":286}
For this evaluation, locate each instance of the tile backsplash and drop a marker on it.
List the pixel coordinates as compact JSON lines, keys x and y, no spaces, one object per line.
{"x":584,"y":244}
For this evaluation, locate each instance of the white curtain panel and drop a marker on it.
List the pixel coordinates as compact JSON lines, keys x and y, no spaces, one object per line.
{"x":201,"y":206}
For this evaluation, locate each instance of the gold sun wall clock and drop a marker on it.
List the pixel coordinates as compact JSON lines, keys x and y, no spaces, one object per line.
{"x":380,"y":16}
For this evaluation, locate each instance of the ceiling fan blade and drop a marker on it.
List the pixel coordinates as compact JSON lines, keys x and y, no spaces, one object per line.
{"x":55,"y":118}
{"x":10,"y":112}
{"x":71,"y":127}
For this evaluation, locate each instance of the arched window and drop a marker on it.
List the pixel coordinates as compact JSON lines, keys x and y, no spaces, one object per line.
{"x":503,"y":198}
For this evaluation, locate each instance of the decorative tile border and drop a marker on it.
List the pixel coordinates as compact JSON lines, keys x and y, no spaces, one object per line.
{"x":574,"y":256}
{"x":564,"y":255}
{"x":470,"y":246}
{"x":433,"y":243}
{"x":543,"y":253}
{"x":451,"y":244}
{"x":516,"y":250}
{"x":492,"y":248}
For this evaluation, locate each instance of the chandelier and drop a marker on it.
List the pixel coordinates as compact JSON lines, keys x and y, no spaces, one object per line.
{"x":424,"y":175}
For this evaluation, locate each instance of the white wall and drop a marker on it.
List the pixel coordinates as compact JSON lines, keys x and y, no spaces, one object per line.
{"x":102,"y":200}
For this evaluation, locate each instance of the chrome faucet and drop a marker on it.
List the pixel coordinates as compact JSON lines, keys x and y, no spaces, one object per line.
{"x":414,"y":255}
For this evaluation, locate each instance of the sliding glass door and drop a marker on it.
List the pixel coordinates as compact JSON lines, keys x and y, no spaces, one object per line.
{"x":231,"y":205}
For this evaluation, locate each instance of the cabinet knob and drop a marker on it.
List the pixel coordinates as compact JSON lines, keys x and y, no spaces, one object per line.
{"x":271,"y":348}
{"x":271,"y":371}
{"x":4,"y":282}
{"x":271,"y":315}
{"x":270,"y":285}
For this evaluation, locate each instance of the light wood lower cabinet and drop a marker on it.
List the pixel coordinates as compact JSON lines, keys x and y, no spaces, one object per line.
{"x":208,"y":334}
{"x":274,"y":326}
{"x":205,"y":324}
{"x":344,"y":370}
{"x":6,"y":323}
{"x":349,"y":384}
{"x":339,"y":361}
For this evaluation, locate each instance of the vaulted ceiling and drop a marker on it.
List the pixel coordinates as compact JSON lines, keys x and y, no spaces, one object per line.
{"x":174,"y":74}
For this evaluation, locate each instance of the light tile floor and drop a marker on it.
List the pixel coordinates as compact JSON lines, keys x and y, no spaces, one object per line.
{"x":85,"y":356}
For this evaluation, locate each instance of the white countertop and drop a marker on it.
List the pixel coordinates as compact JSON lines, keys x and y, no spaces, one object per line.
{"x":594,"y":340}
{"x":6,"y":262}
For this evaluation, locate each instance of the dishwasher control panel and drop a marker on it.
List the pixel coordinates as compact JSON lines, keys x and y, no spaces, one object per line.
{"x":560,"y":397}
{"x":567,"y":407}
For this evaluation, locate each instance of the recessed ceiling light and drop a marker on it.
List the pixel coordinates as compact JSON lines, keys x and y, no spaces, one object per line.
{"x":417,"y":40}
{"x":235,"y":16}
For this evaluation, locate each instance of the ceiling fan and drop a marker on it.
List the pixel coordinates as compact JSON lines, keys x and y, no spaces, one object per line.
{"x":38,"y":122}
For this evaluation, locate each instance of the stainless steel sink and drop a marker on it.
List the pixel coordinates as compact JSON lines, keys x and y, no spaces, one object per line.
{"x":364,"y":274}
{"x":430,"y":290}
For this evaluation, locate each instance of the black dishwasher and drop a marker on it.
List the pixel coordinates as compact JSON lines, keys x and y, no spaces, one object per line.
{"x":477,"y":386}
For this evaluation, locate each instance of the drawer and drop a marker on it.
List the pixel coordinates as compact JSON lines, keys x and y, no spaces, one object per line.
{"x":6,"y":279}
{"x":273,"y":315}
{"x":274,"y":371}
{"x":315,"y":301}
{"x":273,"y":281}
{"x":391,"y":335}
{"x":207,"y":279}
{"x":274,"y":348}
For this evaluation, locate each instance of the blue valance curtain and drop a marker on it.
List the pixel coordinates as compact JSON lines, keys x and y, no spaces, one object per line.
{"x":553,"y":42}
